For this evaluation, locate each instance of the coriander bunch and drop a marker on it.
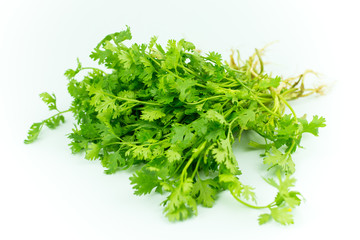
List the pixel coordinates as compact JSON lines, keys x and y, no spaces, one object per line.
{"x":176,"y":113}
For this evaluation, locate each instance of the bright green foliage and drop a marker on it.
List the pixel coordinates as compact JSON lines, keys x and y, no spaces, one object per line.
{"x":92,"y":152}
{"x":145,"y":181}
{"x":205,"y":192}
{"x":276,"y":157}
{"x":174,"y":113}
{"x":264,"y":218}
{"x":282,"y":215}
{"x":269,"y":82}
{"x":51,"y":122}
{"x":33,"y":132}
{"x":50,"y":100}
{"x":248,"y":193}
{"x":285,"y":200}
{"x":151,"y":114}
{"x":314,"y":125}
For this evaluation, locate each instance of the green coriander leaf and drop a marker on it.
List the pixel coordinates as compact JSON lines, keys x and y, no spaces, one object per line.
{"x":214,"y":57}
{"x":109,"y":46}
{"x":112,"y":162}
{"x":50,"y":100}
{"x":204,"y":192}
{"x":223,"y":154}
{"x":70,"y":73}
{"x":182,"y":135}
{"x":200,"y":126}
{"x":188,"y":46}
{"x":248,"y":193}
{"x":213,"y":115}
{"x":214,"y":133}
{"x":314,"y":125}
{"x":144,"y":181}
{"x":180,"y":205}
{"x":140,"y":152}
{"x":264,"y":218}
{"x":126,"y":59}
{"x":152,"y":42}
{"x":151,"y":114}
{"x":97,"y":54}
{"x":286,"y":183}
{"x":276,"y":157}
{"x":269,"y":82}
{"x":292,"y":201}
{"x":232,"y":183}
{"x":117,"y":37}
{"x":184,"y":86}
{"x":172,"y":155}
{"x":54,"y":121}
{"x":33,"y":132}
{"x":246,"y":116}
{"x":172,"y":54}
{"x":143,"y":135}
{"x":92,"y":152}
{"x":282,"y":215}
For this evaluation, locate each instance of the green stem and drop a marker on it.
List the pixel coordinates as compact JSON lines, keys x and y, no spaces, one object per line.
{"x":137,"y":101}
{"x":69,"y":110}
{"x":132,"y":100}
{"x":200,"y":85}
{"x":196,"y":169}
{"x":189,"y":70}
{"x":228,"y":112}
{"x":288,"y":91}
{"x":207,"y":152}
{"x":240,"y":133}
{"x":249,"y":205}
{"x":291,"y":147}
{"x":288,"y":105}
{"x":205,"y":99}
{"x":182,"y":162}
{"x":223,"y":105}
{"x":154,"y":60}
{"x":195,"y":155}
{"x":178,"y":76}
{"x":266,"y":108}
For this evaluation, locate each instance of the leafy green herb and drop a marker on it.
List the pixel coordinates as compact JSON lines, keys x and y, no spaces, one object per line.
{"x":175,"y":113}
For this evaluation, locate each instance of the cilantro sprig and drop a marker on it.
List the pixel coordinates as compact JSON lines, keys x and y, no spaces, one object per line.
{"x":176,"y":113}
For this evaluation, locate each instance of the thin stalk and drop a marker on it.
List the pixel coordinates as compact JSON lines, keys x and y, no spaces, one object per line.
{"x":132,"y":100}
{"x":288,"y":105}
{"x":249,"y":205}
{"x":196,"y":169}
{"x":195,"y":155}
{"x":69,"y":110}
{"x":206,"y":99}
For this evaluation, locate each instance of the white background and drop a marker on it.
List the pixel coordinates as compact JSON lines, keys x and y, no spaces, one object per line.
{"x":48,"y":193}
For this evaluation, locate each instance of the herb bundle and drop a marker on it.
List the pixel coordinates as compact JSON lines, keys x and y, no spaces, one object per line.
{"x":176,"y":113}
